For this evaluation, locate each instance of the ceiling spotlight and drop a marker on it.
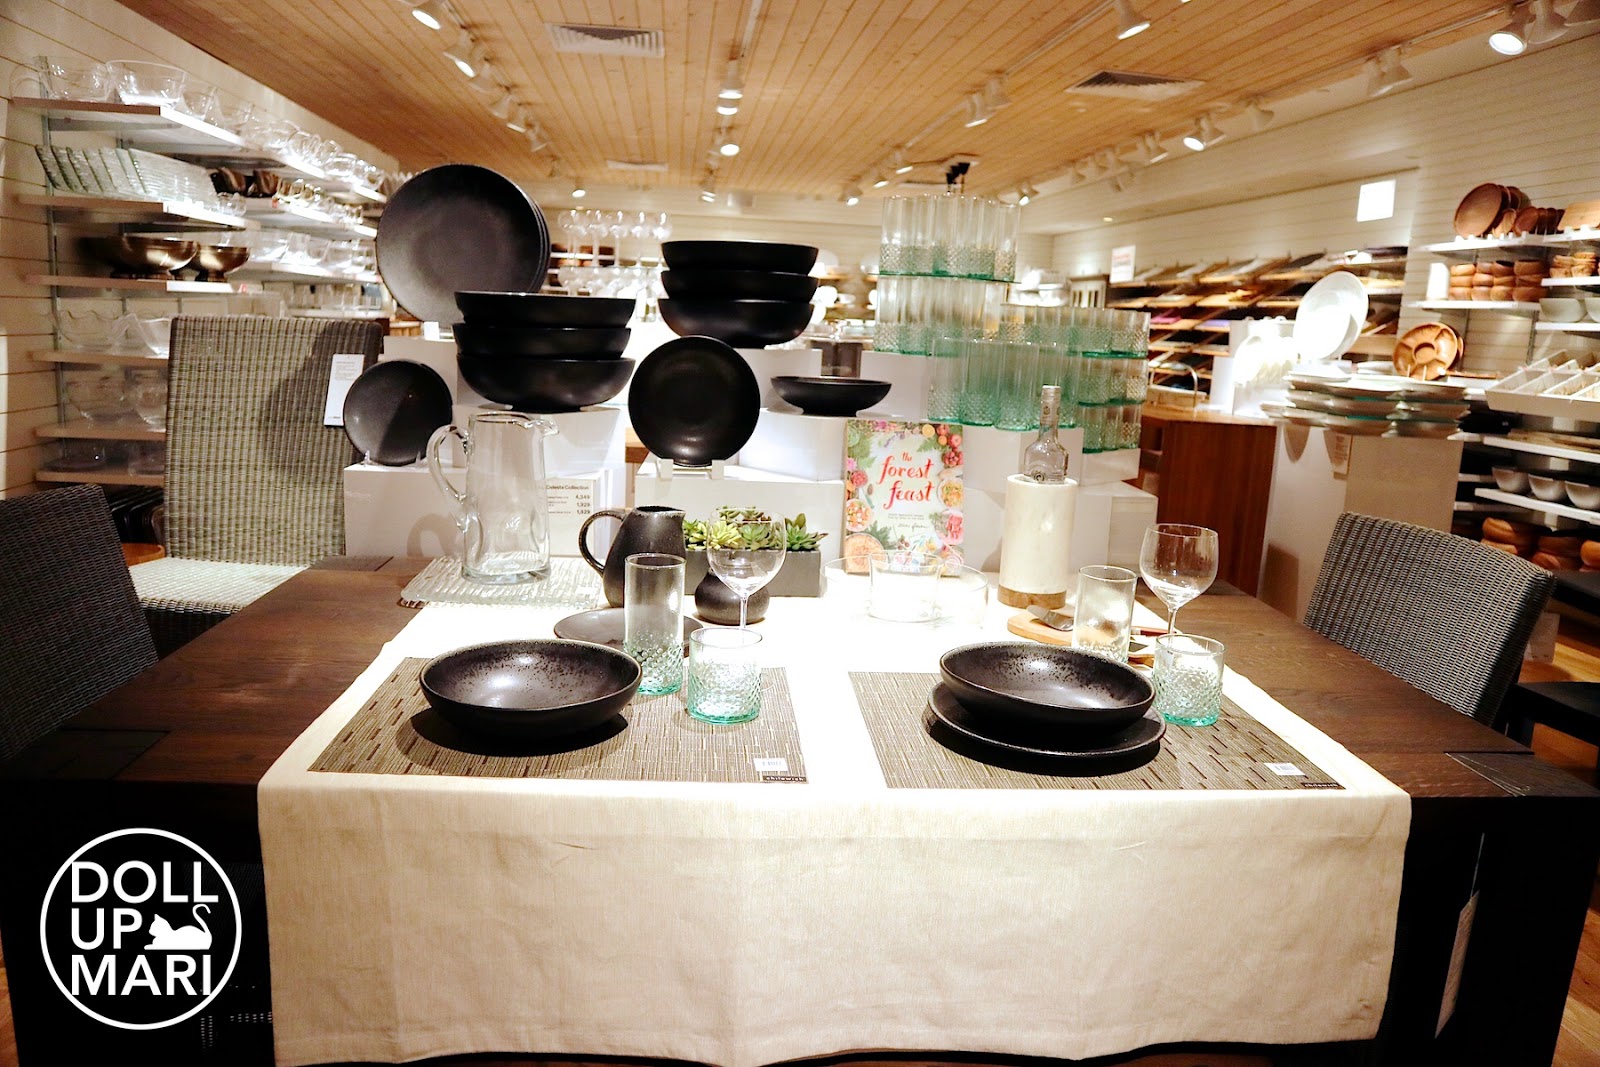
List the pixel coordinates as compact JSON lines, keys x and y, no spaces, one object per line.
{"x":708,"y":193}
{"x":1129,"y":21}
{"x":1122,"y":179}
{"x":431,"y":14}
{"x":1203,"y":136}
{"x":517,"y":121}
{"x":977,"y":111}
{"x":1154,"y":150}
{"x":538,"y":140}
{"x":468,"y":55}
{"x":899,"y":162}
{"x":994,"y":95}
{"x":578,"y":191}
{"x":1026,"y":194}
{"x":503,"y":106}
{"x":1260,"y":117}
{"x":1583,"y":13}
{"x":851,"y":195}
{"x":881,"y":182}
{"x":727,"y":107}
{"x":726,"y":145}
{"x":483,"y":79}
{"x":1547,"y":25}
{"x":1512,"y":38}
{"x":1386,"y":73}
{"x":732,"y":85}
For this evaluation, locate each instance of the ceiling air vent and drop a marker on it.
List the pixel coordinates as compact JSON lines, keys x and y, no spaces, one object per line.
{"x":652,"y":166}
{"x":606,"y":40}
{"x":1131,"y":86}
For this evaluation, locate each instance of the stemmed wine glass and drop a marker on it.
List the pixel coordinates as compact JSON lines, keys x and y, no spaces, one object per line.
{"x":1179,"y":563}
{"x":750,"y":563}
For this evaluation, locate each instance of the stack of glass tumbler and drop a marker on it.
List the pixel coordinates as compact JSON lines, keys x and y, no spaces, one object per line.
{"x":942,"y":268}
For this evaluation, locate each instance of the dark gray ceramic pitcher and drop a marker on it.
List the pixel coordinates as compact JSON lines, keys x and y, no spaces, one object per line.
{"x":647,"y":529}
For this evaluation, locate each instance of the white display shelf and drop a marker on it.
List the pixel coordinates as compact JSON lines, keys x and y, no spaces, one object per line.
{"x":1549,"y":407}
{"x":1466,"y":246}
{"x":166,"y":212}
{"x":1590,"y":235}
{"x":1591,"y":282}
{"x":1532,"y":503}
{"x":290,"y":270}
{"x":83,"y":429}
{"x":78,"y":355}
{"x":1519,"y":307}
{"x":1535,"y":448}
{"x":1567,"y":327}
{"x":278,"y":214}
{"x":131,"y":285}
{"x":339,"y":313}
{"x":103,"y":476}
{"x":1483,"y":507}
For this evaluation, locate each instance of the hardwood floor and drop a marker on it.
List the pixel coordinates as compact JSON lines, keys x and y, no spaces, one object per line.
{"x":1578,"y":658}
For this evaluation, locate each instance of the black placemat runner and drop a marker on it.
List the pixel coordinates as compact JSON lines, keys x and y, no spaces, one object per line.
{"x":1237,"y":752}
{"x":396,"y":732}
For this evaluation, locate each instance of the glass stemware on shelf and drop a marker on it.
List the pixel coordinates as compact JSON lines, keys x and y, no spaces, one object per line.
{"x":744,"y":550}
{"x":1179,"y":562}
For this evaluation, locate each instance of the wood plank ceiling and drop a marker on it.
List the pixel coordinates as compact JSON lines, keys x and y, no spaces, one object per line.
{"x":832,"y":87}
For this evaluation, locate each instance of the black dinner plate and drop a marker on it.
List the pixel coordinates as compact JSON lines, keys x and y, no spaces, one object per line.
{"x":694,"y":400}
{"x":392,"y":410}
{"x":604,"y":627}
{"x":459,"y":227}
{"x":1142,"y":738}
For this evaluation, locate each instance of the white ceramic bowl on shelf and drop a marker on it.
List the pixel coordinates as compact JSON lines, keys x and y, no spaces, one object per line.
{"x":1583,"y":496}
{"x":1547,"y":488}
{"x":1560,"y":309}
{"x":1510,"y":480}
{"x":1593,"y":304}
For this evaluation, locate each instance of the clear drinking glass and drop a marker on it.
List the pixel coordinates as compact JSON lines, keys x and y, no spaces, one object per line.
{"x":1103,"y":612}
{"x":1179,"y":562}
{"x":652,"y":619}
{"x":944,"y":380}
{"x":1188,"y":679}
{"x":147,"y":393}
{"x":1019,"y":388}
{"x":904,"y":587}
{"x":748,"y":566}
{"x":724,"y":674}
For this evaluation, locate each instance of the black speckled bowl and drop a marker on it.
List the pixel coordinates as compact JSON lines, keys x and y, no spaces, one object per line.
{"x":1038,"y":686}
{"x":529,"y":690}
{"x":828,"y":394}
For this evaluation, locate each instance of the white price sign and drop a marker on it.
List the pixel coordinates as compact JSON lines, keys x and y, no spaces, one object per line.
{"x":1122,"y":264}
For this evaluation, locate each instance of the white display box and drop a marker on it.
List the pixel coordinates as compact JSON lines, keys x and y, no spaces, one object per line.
{"x":399,"y":511}
{"x":908,"y":378}
{"x":770,"y":363}
{"x":801,"y":446}
{"x":698,"y":494}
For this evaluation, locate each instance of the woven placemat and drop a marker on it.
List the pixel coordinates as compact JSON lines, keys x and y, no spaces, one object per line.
{"x":396,"y":732}
{"x":571,"y":584}
{"x":1237,"y":752}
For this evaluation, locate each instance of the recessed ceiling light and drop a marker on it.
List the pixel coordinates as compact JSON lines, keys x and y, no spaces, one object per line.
{"x":431,"y":14}
{"x":1512,"y":38}
{"x":1129,"y":21}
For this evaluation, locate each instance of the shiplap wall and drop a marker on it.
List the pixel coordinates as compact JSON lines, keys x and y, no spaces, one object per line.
{"x":94,"y":30}
{"x":1530,"y":122}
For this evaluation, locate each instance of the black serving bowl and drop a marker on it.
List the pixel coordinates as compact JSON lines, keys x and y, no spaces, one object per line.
{"x":740,"y":323}
{"x":136,"y":256}
{"x":830,"y":395}
{"x":540,"y":309}
{"x":1036,"y":686}
{"x":542,"y":342}
{"x":544,"y":385}
{"x":738,"y":255}
{"x":737,"y":285}
{"x":530,"y":689}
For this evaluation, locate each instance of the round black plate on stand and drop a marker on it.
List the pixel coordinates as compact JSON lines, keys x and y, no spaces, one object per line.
{"x":392,"y":410}
{"x":1057,"y":752}
{"x":459,"y":227}
{"x":694,"y":400}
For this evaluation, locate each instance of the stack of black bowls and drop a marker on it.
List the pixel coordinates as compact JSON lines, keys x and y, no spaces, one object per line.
{"x":748,"y":294}
{"x":542,"y":353}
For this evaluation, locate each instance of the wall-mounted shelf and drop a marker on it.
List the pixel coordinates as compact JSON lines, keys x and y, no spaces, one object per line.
{"x":1567,"y":327}
{"x":271,"y":270}
{"x":83,"y":429}
{"x":103,"y":476}
{"x":1530,"y":503}
{"x":279,"y":214}
{"x":78,"y":355}
{"x":1515,"y":307}
{"x":1510,"y":444}
{"x":132,"y":285}
{"x":368,"y":314}
{"x":167,"y":213}
{"x":1590,"y":282}
{"x":1471,"y":246}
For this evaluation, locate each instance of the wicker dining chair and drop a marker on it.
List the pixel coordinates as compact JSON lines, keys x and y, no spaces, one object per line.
{"x":254,"y":482}
{"x":72,"y":625}
{"x":1449,"y":615}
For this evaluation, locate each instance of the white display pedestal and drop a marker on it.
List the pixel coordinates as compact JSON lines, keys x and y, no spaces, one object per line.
{"x":1318,"y":474}
{"x":698,"y":493}
{"x":908,"y":383}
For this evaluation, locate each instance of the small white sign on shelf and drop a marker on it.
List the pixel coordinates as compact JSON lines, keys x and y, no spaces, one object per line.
{"x":342,"y":374}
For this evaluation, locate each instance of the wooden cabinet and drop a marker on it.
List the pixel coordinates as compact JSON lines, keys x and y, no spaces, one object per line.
{"x":1212,"y":470}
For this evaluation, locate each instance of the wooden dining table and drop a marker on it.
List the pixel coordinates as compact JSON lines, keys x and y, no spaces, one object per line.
{"x":184,"y":745}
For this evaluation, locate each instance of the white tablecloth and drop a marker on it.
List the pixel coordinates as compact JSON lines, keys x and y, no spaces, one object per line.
{"x":747,"y":924}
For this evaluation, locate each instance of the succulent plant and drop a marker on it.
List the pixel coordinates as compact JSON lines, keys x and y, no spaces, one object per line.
{"x":724,"y":534}
{"x":747,"y":528}
{"x":799,"y":538}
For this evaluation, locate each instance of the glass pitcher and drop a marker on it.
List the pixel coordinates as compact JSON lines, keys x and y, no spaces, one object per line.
{"x":504,"y":514}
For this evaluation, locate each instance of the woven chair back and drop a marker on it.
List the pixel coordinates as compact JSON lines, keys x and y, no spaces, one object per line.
{"x":253,"y":475}
{"x":70,"y":625}
{"x":1449,"y":615}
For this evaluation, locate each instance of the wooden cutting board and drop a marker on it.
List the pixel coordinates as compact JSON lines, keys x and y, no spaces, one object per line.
{"x":1581,"y":214}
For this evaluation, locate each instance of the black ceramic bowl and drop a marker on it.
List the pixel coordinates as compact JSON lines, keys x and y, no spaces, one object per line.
{"x":1026,"y":684}
{"x":542,"y":342}
{"x":829,"y":395}
{"x":738,"y":255}
{"x":540,"y":309}
{"x":530,"y":689}
{"x":740,"y":323}
{"x":737,"y":285}
{"x":544,"y":385}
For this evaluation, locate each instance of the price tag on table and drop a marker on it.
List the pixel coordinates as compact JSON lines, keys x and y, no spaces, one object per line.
{"x":342,"y":375}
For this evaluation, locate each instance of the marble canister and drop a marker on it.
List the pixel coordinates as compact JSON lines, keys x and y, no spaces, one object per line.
{"x":1035,"y":547}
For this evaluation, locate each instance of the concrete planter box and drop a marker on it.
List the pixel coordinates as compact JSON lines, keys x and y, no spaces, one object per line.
{"x":800,"y":575}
